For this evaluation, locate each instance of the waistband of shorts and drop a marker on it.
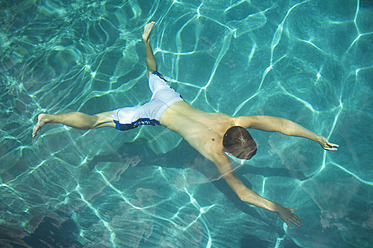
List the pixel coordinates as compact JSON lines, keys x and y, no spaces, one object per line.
{"x":166,"y":106}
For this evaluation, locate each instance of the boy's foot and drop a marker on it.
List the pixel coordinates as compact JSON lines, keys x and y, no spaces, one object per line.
{"x":147,"y":29}
{"x":42,"y":119}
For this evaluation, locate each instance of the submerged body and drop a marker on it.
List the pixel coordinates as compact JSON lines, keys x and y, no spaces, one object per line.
{"x":203,"y":131}
{"x":206,"y":132}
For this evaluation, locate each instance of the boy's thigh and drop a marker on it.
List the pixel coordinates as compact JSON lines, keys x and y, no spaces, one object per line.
{"x":105,"y":119}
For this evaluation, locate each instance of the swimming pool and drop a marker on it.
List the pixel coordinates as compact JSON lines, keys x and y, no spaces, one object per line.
{"x":308,"y":61}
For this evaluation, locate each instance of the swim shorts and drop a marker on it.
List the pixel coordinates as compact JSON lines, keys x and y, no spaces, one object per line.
{"x":149,"y":113}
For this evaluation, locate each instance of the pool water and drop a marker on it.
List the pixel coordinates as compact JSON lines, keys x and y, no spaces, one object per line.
{"x":308,"y":61}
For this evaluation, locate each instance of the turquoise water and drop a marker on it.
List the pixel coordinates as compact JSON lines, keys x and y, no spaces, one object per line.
{"x":308,"y":61}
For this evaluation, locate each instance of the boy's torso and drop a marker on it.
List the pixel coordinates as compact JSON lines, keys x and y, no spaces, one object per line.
{"x":203,"y":131}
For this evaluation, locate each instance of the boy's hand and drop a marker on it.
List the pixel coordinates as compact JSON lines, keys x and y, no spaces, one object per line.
{"x":327,"y":145}
{"x":286,"y":214}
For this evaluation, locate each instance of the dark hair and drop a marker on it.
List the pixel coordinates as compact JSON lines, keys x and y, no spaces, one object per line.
{"x":238,"y":141}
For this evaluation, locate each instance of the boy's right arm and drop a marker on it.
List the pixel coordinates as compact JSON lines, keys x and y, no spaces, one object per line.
{"x":249,"y":196}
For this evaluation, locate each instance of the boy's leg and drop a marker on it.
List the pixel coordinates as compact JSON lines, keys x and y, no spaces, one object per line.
{"x":76,"y":120}
{"x":84,"y":121}
{"x":151,"y":64}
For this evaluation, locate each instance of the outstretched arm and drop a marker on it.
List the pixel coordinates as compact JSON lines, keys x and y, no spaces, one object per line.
{"x":287,"y":127}
{"x":250,"y":196}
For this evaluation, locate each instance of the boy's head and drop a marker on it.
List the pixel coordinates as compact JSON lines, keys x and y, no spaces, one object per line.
{"x":238,"y":142}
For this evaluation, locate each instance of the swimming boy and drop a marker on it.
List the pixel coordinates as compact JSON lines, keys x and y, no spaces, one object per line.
{"x":211,"y":134}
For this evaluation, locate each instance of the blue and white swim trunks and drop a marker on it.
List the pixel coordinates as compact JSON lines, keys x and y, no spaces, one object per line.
{"x":149,"y":113}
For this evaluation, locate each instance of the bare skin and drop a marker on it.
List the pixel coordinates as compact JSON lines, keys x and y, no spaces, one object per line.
{"x":204,"y":132}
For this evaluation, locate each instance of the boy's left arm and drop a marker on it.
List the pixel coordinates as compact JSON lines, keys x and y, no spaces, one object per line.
{"x":287,"y":127}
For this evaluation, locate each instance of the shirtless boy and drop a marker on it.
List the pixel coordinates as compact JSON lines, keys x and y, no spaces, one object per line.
{"x":211,"y":134}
